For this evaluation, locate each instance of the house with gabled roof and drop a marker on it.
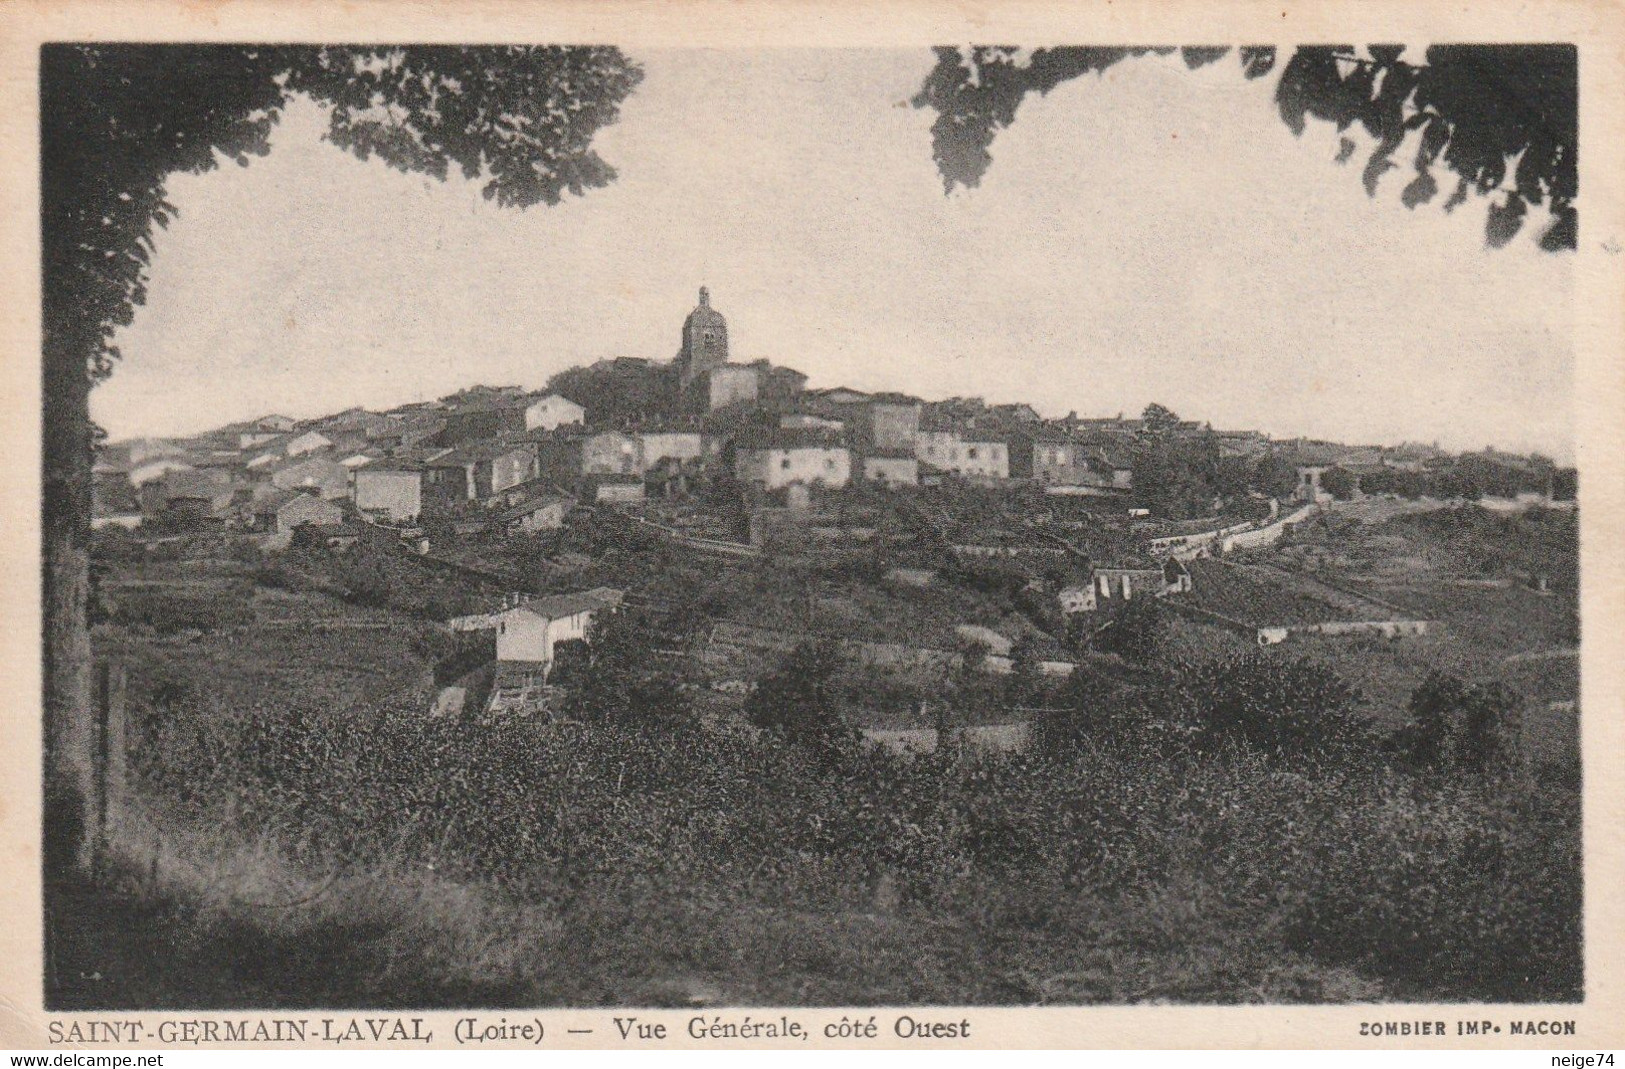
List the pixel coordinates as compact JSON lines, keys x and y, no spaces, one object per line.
{"x":529,"y":629}
{"x":490,"y":467}
{"x":891,"y":468}
{"x":390,"y":490}
{"x":310,"y":509}
{"x":329,"y":478}
{"x":308,"y":442}
{"x":553,"y":411}
{"x":543,"y":513}
{"x":776,"y":457}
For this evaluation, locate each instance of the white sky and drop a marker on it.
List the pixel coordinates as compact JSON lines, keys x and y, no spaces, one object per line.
{"x":1155,"y":234}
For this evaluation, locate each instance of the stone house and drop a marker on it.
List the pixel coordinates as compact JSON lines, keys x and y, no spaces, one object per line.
{"x":671,"y":443}
{"x":970,"y":456}
{"x":489,"y":467}
{"x":775,"y":458}
{"x":731,"y":384}
{"x":147,"y":471}
{"x":250,"y":439}
{"x":839,"y":396}
{"x":309,"y":442}
{"x":618,"y":489}
{"x":802,"y":421}
{"x":553,"y":411}
{"x":891,"y":469}
{"x":189,"y":499}
{"x":390,"y":491}
{"x":887,"y":422}
{"x":611,"y":453}
{"x":1017,"y":412}
{"x":329,"y":478}
{"x":1109,"y":586}
{"x":559,"y":454}
{"x":1051,"y":456}
{"x":496,"y":418}
{"x":544,"y":513}
{"x":530,"y":630}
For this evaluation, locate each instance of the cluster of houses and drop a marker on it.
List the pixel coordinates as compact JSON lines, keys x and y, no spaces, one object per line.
{"x":506,"y":461}
{"x":518,"y":461}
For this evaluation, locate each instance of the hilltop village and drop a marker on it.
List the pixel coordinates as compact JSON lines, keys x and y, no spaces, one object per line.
{"x":902,"y":528}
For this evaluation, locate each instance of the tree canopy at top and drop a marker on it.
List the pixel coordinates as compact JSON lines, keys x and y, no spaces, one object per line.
{"x":1502,"y":118}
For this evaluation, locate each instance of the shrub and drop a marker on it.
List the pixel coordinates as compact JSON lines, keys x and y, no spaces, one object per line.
{"x":618,"y":676}
{"x":1282,"y":707}
{"x":800,"y":700}
{"x":1339,"y":482}
{"x":364,"y":579}
{"x":1136,"y":631}
{"x":1456,"y":725}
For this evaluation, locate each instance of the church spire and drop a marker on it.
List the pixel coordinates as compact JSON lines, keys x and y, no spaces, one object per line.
{"x":705,"y":297}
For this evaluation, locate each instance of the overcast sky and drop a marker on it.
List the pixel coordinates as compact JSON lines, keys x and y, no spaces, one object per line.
{"x":1153,"y":235}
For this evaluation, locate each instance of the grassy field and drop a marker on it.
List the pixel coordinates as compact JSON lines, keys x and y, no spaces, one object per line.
{"x":1440,"y":565}
{"x":298,"y":649}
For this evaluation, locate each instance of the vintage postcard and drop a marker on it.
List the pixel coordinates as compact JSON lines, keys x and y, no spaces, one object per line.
{"x":564,"y":525}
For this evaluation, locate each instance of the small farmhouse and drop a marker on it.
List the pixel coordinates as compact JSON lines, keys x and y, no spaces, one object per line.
{"x":973,"y":455}
{"x":530,"y":630}
{"x":891,"y":469}
{"x":309,"y":442}
{"x":544,"y":513}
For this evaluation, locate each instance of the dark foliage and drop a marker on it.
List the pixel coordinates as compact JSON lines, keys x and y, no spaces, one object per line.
{"x":621,"y":676}
{"x":173,"y":613}
{"x":363,"y":578}
{"x":1135,"y":631}
{"x":1339,"y":482}
{"x":619,"y":394}
{"x":1286,"y":708}
{"x":801,"y":701}
{"x":1458,"y":726}
{"x":1474,"y":108}
{"x":1443,"y":893}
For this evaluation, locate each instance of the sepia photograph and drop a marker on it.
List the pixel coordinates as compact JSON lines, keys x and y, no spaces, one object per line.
{"x":565,"y":525}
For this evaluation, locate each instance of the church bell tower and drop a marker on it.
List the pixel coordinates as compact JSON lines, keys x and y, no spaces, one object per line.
{"x":705,"y":340}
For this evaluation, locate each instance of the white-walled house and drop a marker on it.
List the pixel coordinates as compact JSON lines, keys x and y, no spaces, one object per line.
{"x":658,"y":445}
{"x":949,"y":450}
{"x":776,"y":459}
{"x":530,"y":631}
{"x":389,"y":492}
{"x":552,"y":412}
{"x":328,"y":477}
{"x":145,"y":473}
{"x":307,"y":508}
